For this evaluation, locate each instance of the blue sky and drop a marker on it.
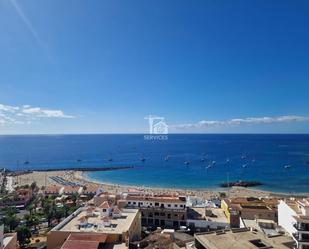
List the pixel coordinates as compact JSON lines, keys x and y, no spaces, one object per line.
{"x":206,"y":66}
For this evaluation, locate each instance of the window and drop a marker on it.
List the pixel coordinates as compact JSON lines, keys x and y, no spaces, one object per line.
{"x":176,"y":205}
{"x":129,"y":202}
{"x":169,"y":205}
{"x":181,"y":206}
{"x":134,"y":203}
{"x":104,"y":210}
{"x":156,"y":204}
{"x":258,"y":243}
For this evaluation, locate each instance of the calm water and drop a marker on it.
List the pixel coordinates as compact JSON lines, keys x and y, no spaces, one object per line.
{"x":265,"y":158}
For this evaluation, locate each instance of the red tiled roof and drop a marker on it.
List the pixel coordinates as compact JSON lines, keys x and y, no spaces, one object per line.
{"x":104,"y":205}
{"x":71,"y":189}
{"x":91,"y":189}
{"x":105,"y":218}
{"x":88,"y":237}
{"x":116,"y":210}
{"x":52,"y":189}
{"x":90,"y":209}
{"x":72,"y":244}
{"x":82,"y":241}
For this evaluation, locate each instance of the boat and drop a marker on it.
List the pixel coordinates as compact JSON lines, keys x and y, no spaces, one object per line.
{"x":287,"y":166}
{"x":186,"y":162}
{"x":167,"y":158}
{"x":26,"y":162}
{"x":79,"y":160}
{"x":202,"y":159}
{"x":243,"y":157}
{"x":143,"y":159}
{"x":227,"y":160}
{"x":213,"y":162}
{"x":208,"y":167}
{"x":244,"y":165}
{"x":110,"y":159}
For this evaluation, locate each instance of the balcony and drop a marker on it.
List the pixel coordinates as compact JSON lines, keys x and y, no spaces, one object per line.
{"x":299,"y":227}
{"x":296,"y":236}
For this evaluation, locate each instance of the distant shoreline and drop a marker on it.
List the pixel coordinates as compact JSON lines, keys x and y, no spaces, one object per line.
{"x":44,"y":178}
{"x":254,"y":191}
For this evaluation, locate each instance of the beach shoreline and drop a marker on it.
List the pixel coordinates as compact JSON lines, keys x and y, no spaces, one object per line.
{"x":43,"y":178}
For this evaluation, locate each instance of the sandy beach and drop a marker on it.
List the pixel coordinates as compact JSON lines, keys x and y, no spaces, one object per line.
{"x":43,"y":178}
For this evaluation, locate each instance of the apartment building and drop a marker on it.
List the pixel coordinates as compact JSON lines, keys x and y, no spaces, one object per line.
{"x":241,"y":238}
{"x":165,"y":210}
{"x":119,"y":226}
{"x":293,"y":216}
{"x":250,"y":208}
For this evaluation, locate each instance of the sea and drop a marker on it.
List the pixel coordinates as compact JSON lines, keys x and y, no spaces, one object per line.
{"x":192,"y":161}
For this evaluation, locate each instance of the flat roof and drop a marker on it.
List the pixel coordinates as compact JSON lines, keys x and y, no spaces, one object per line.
{"x":200,"y":214}
{"x":243,"y":239}
{"x":118,"y":225}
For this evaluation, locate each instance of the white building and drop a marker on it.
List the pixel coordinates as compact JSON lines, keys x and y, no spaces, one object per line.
{"x":165,"y":210}
{"x":293,"y":216}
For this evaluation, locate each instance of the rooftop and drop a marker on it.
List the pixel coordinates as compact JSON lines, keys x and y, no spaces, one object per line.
{"x":94,"y":223}
{"x":243,"y":239}
{"x":215,"y":214}
{"x":82,"y":241}
{"x":300,"y":207}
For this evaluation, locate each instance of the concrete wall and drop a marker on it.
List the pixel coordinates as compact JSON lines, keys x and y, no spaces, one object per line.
{"x":13,"y":241}
{"x":208,"y":224}
{"x":252,"y":214}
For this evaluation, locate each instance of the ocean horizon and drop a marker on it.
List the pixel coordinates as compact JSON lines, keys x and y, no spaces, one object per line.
{"x":196,"y":161}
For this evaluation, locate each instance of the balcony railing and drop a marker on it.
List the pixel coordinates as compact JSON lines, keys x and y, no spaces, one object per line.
{"x":301,"y":228}
{"x":297,"y":237}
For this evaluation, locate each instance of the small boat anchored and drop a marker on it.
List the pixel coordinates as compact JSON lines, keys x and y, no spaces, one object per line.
{"x":287,"y":166}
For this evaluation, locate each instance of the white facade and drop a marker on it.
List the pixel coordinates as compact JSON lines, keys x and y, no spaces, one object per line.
{"x":285,"y":217}
{"x":156,"y":204}
{"x":294,"y":218}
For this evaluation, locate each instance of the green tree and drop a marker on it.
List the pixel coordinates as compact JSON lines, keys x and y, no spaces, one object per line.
{"x":33,"y":186}
{"x":23,"y":235}
{"x":10,"y":220}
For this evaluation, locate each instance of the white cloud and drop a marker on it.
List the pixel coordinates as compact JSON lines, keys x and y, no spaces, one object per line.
{"x":26,"y":113}
{"x":8,"y":108}
{"x":241,"y":121}
{"x":45,"y":113}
